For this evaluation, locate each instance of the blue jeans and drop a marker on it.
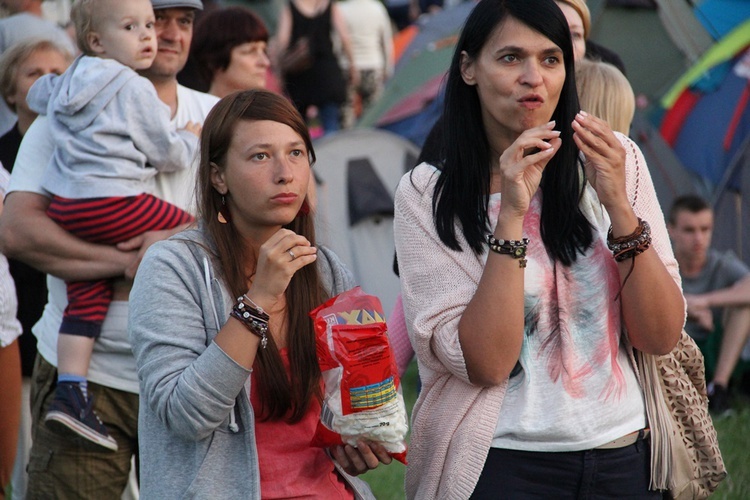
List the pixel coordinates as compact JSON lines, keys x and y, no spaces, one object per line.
{"x":330,"y":118}
{"x":590,"y":474}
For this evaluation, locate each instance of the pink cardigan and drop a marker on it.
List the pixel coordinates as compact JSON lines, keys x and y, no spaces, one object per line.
{"x":453,"y":421}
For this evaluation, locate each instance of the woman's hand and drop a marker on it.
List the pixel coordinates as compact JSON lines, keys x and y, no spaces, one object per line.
{"x":522,"y":164}
{"x":280,"y":257}
{"x":366,"y":456}
{"x":605,"y":159}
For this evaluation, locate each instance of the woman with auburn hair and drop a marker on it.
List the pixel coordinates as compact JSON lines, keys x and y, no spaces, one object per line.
{"x":230,"y":49}
{"x":220,"y":328}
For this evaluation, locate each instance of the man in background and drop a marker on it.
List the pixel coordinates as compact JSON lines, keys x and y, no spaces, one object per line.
{"x":717,"y":289}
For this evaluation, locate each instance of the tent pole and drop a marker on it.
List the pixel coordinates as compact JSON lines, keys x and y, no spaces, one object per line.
{"x":733,"y":165}
{"x":738,"y":223}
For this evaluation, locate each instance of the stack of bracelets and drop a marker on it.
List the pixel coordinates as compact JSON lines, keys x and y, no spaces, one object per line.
{"x":514,"y":248}
{"x":627,"y":247}
{"x":253,"y":317}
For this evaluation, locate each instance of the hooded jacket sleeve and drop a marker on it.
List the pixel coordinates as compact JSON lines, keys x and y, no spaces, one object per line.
{"x":336,"y":277}
{"x":151,"y":129}
{"x":40,"y":93}
{"x":185,"y":378}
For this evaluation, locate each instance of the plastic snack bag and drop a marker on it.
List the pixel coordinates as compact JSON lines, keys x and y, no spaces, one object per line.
{"x":363,"y":398}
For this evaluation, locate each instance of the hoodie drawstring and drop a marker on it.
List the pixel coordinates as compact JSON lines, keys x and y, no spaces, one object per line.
{"x":233,"y":427}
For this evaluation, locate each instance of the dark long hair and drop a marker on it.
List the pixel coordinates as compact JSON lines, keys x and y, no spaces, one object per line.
{"x":279,"y":393}
{"x":463,"y":188}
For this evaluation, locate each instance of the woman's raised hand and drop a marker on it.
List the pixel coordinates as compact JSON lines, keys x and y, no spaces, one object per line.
{"x":522,"y":164}
{"x":280,"y":257}
{"x":605,"y":159}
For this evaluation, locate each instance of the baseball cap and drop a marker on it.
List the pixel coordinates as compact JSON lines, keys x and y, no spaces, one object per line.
{"x":170,"y":4}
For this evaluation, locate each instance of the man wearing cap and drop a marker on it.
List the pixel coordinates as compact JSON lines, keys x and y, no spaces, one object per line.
{"x":58,"y":467}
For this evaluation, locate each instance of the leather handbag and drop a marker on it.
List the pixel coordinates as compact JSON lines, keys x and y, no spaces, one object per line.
{"x":296,"y":58}
{"x":685,"y":456}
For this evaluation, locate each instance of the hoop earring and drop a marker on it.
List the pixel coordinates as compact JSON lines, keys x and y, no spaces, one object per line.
{"x":224,"y":216}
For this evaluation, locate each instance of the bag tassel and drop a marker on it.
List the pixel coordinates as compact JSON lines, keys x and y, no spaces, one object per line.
{"x":660,"y":423}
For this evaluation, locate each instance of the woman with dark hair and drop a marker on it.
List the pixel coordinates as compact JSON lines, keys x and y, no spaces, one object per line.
{"x":532,"y":257}
{"x":320,"y":83}
{"x":229,"y":50}
{"x":230,"y":383}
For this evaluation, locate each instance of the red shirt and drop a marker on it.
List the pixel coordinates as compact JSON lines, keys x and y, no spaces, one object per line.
{"x":289,"y":466}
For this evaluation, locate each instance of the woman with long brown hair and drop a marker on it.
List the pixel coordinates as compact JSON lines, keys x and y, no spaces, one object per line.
{"x":230,"y":385}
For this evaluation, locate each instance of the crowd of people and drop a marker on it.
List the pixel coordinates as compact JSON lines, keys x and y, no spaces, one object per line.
{"x":158,"y":243}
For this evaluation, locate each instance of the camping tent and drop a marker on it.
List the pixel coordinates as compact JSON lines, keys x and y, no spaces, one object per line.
{"x":670,"y":177}
{"x":707,"y":123}
{"x":656,"y":40}
{"x":409,"y":105}
{"x":358,"y":171}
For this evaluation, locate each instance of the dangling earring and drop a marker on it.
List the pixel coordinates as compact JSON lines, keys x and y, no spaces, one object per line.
{"x":224,"y":216}
{"x":304,"y":209}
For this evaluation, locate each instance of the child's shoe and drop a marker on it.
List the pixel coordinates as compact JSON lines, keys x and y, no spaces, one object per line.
{"x":71,"y":414}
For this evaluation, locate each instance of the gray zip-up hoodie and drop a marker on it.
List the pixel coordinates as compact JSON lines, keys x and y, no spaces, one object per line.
{"x":196,"y":428}
{"x":109,"y":129}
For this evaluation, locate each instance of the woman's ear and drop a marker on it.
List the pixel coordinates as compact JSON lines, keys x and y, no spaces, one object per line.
{"x":217,"y":179}
{"x":467,"y":69}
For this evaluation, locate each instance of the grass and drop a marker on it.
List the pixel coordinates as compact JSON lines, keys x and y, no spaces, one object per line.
{"x":387,"y":483}
{"x":734,"y":438}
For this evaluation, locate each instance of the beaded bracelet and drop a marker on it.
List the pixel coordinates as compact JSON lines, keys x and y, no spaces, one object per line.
{"x":252,"y":317}
{"x":249,"y":302}
{"x":627,"y":247}
{"x":514,"y":248}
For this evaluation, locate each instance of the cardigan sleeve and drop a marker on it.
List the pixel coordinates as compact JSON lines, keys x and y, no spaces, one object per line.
{"x":152,"y":133}
{"x":436,"y":283}
{"x":642,"y":196}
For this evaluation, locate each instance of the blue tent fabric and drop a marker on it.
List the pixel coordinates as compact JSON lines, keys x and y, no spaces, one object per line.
{"x":416,"y":127}
{"x":719,"y":17}
{"x":700,"y":143}
{"x":434,"y":29}
{"x":712,"y":79}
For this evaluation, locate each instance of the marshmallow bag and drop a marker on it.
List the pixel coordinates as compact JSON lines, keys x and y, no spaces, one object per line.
{"x":363,"y":398}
